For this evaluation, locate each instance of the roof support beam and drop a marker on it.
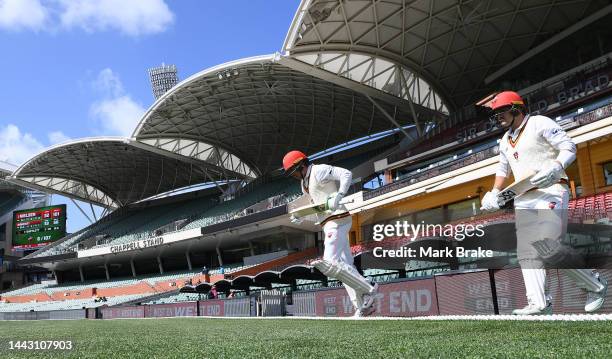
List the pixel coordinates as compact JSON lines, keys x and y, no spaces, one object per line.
{"x":389,"y":117}
{"x":350,"y":84}
{"x":45,"y":189}
{"x":217,"y":183}
{"x":415,"y":115}
{"x":550,"y":42}
{"x":368,"y":51}
{"x":82,"y":211}
{"x":93,"y":212}
{"x":202,"y":164}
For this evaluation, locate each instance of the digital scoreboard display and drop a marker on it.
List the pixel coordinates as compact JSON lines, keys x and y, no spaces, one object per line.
{"x":37,"y":227}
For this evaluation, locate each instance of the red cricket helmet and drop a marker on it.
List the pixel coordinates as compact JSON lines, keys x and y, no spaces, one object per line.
{"x":503,"y":99}
{"x":292,"y":160}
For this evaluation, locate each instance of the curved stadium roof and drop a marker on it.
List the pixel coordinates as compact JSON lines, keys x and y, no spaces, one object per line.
{"x":109,"y":171}
{"x":257,"y":109}
{"x":349,"y":69}
{"x":6,"y":169}
{"x":458,"y":47}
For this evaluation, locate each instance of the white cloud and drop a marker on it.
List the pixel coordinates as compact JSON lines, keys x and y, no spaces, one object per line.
{"x":117,"y":113}
{"x":56,"y":137}
{"x":132,"y":17}
{"x":108,"y":83}
{"x":22,"y":14}
{"x":117,"y":116}
{"x":17,"y":147}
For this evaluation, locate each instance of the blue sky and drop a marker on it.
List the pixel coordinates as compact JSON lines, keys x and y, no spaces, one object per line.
{"x":76,"y":68}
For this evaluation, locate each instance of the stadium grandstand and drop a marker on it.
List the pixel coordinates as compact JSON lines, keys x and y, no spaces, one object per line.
{"x":13,"y":198}
{"x":196,"y":219}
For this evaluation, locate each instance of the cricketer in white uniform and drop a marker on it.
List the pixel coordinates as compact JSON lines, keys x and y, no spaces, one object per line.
{"x":329,"y":184}
{"x":537,"y":146}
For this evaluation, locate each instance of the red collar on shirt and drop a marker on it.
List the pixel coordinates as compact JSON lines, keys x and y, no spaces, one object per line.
{"x":518,"y":137}
{"x":306,"y":179}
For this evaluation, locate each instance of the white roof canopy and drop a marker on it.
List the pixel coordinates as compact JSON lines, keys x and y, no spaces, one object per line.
{"x":452,"y":45}
{"x":254,"y":110}
{"x":110,"y":171}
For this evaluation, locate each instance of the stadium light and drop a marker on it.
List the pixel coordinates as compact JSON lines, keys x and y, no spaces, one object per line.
{"x":163,"y":78}
{"x":228,"y":73}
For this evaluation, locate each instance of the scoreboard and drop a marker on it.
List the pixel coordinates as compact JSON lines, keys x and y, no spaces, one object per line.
{"x":37,"y":227}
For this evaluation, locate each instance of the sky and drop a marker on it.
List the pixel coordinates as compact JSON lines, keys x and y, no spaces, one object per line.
{"x":71,"y":69}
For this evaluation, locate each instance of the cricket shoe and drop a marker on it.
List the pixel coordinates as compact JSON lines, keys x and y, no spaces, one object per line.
{"x":368,"y":303}
{"x":595,"y":300}
{"x":532,"y":309}
{"x":364,"y":312}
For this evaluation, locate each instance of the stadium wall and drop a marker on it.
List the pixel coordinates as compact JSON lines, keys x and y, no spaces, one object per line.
{"x":237,"y":307}
{"x":123,"y":312}
{"x":477,"y":292}
{"x":408,"y":298}
{"x":54,"y":315}
{"x":186,"y":309}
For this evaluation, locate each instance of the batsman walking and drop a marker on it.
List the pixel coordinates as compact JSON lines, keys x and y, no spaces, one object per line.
{"x":329,"y":184}
{"x":537,"y":144}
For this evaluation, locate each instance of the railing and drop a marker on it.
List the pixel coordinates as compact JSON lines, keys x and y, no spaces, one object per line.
{"x":547,"y":92}
{"x":594,"y":115}
{"x":419,"y":176}
{"x":272,"y":208}
{"x":457,"y":135}
{"x":270,"y":203}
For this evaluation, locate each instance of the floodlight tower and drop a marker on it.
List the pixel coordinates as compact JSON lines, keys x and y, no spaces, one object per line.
{"x":163,"y":78}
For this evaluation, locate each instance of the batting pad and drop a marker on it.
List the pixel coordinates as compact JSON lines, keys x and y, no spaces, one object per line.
{"x":345,"y":273}
{"x":585,"y":279}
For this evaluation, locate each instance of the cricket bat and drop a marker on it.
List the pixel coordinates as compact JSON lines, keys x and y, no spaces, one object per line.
{"x":515,"y":189}
{"x":309,"y":209}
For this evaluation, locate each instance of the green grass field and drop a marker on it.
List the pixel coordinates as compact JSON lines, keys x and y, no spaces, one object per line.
{"x":239,"y":338}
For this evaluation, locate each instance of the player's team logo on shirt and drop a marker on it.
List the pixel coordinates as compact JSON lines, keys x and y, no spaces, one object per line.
{"x":552,"y":205}
{"x":515,"y":155}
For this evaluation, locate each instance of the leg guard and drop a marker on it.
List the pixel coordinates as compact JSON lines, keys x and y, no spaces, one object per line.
{"x":585,"y":279}
{"x":345,"y":273}
{"x":557,"y":255}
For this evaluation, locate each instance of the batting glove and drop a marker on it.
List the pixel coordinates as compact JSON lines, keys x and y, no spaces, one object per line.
{"x":296,"y":220}
{"x":334,"y":202}
{"x":548,"y":175}
{"x":490,"y":202}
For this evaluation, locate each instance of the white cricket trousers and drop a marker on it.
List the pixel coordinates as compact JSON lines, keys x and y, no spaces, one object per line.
{"x":542,"y":214}
{"x":337,"y":248}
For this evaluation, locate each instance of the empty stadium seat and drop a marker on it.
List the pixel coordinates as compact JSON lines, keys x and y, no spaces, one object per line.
{"x":128,"y":225}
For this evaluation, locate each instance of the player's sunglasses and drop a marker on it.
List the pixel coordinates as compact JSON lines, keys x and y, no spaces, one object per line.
{"x":498,"y":114}
{"x":292,"y":170}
